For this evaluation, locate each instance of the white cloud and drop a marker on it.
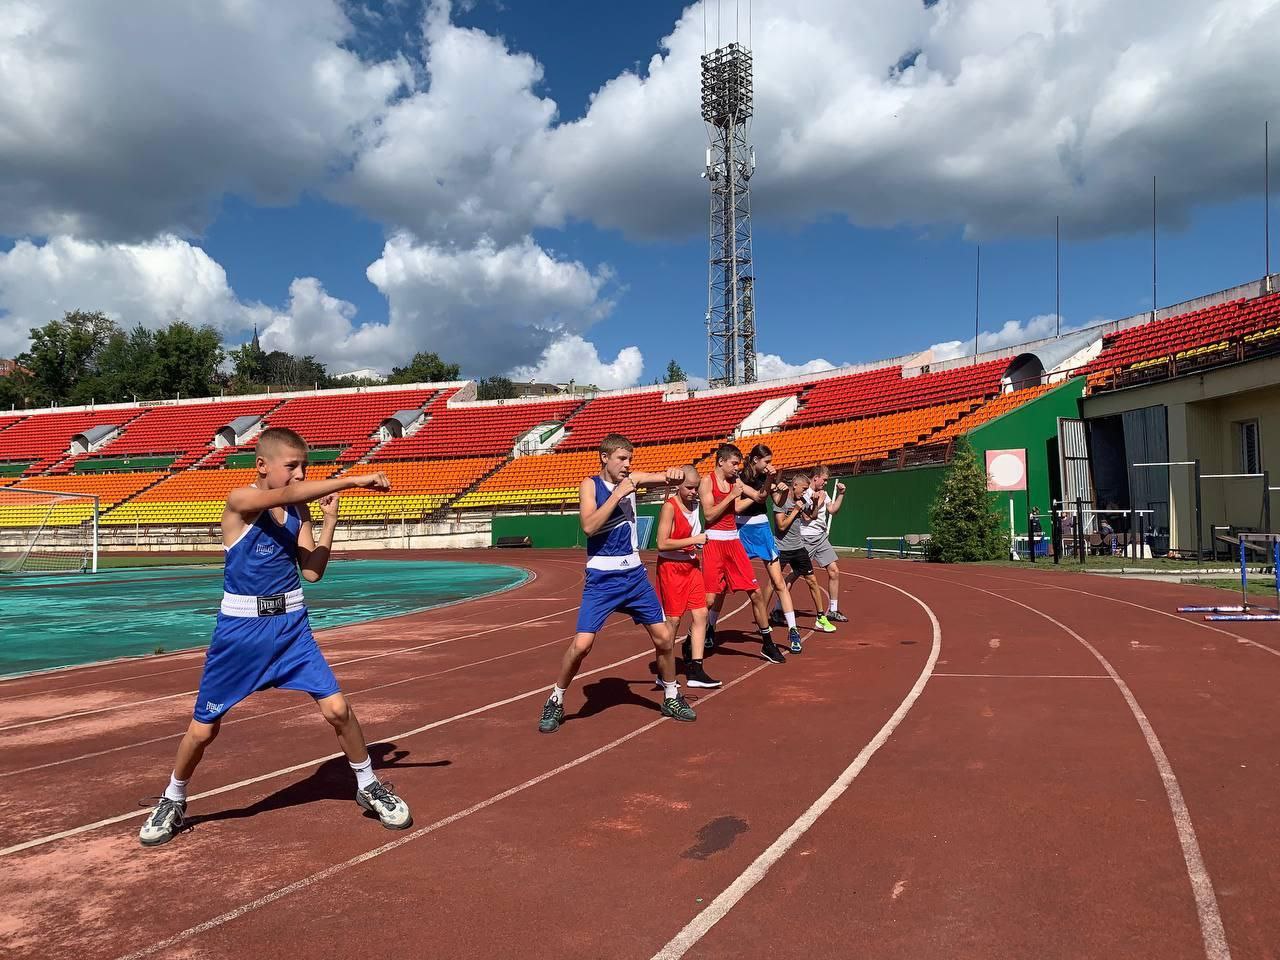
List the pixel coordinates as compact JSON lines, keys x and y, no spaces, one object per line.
{"x":486,"y":307}
{"x":1012,"y":332}
{"x":150,"y":283}
{"x":573,"y":358}
{"x":770,"y":366}
{"x":121,"y":122}
{"x":996,"y":114}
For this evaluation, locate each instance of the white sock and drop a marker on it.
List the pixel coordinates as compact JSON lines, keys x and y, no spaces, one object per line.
{"x":557,"y":694}
{"x":712,"y":617}
{"x":364,"y":773}
{"x":670,"y":690}
{"x":791,"y":620}
{"x":834,"y":605}
{"x":177,"y":789}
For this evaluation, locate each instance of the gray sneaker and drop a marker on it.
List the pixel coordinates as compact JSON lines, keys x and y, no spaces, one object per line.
{"x":552,"y":716}
{"x":164,"y":823}
{"x":677,"y":708}
{"x":380,"y":800}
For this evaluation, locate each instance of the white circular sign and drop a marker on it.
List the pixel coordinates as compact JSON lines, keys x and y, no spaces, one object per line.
{"x":1006,"y":470}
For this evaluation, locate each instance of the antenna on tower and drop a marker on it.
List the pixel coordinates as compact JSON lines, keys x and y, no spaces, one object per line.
{"x":727,"y":107}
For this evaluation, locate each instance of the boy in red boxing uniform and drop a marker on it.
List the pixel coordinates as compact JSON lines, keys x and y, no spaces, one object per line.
{"x":680,"y":585}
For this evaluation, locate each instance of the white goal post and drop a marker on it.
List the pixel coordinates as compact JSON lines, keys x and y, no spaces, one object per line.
{"x":47,"y":531}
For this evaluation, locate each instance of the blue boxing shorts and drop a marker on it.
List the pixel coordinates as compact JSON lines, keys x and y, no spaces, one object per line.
{"x":757,"y":539}
{"x":618,"y":591}
{"x":249,"y":654}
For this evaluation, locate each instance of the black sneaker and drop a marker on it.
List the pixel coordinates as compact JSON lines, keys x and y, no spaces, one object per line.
{"x":772,"y":653}
{"x":164,"y":823}
{"x":835,"y":616}
{"x":677,"y":708}
{"x":552,"y":716}
{"x":777,"y":619}
{"x":696,"y":676}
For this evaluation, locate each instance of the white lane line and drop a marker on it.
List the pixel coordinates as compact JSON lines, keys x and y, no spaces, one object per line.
{"x":340,"y":663}
{"x":715,"y":911}
{"x":1211,"y":929}
{"x":1164,"y":613}
{"x":121,"y":818}
{"x":296,"y":706}
{"x":355,"y":861}
{"x":1023,"y":676}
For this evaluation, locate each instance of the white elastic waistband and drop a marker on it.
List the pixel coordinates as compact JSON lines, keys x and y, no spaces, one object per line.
{"x":753,"y":519}
{"x":239,"y":605}
{"x":614,"y":563}
{"x":722,"y":534}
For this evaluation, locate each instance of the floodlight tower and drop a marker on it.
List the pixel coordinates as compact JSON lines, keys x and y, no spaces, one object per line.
{"x":731,"y":322}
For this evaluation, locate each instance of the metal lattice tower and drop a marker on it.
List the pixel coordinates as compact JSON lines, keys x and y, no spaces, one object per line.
{"x":727,"y":107}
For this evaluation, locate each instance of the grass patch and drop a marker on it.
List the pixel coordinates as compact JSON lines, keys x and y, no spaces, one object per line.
{"x":1263,"y":590}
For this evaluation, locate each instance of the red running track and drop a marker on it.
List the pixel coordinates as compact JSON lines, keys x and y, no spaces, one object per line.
{"x":984,"y":763}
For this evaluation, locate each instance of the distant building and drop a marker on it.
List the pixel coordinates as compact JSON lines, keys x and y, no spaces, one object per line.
{"x":9,"y":367}
{"x":534,"y":389}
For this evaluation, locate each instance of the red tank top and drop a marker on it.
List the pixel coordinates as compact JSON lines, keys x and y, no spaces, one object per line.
{"x":685,"y":525}
{"x":727,"y":520}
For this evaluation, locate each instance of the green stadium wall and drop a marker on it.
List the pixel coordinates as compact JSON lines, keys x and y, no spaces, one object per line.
{"x":888,"y":504}
{"x":896,"y":503}
{"x":554,"y":530}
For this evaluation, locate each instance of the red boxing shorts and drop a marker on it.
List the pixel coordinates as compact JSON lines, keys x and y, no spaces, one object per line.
{"x":680,"y":587}
{"x":726,"y":569}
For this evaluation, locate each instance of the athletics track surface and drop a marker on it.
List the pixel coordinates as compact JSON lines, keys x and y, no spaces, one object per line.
{"x":983,"y":763}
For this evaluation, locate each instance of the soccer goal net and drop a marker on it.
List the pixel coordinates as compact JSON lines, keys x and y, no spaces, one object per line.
{"x":45,"y":531}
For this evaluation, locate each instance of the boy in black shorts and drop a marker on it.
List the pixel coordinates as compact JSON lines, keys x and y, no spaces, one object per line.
{"x":792,"y":553}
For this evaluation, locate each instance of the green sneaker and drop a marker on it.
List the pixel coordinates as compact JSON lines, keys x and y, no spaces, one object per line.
{"x":552,"y":716}
{"x":677,"y":708}
{"x":825,"y":625}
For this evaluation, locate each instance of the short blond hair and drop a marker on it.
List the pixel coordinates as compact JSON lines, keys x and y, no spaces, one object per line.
{"x":274,"y":439}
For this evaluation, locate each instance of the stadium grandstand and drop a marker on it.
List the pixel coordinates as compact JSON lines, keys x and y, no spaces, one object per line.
{"x":464,"y":471}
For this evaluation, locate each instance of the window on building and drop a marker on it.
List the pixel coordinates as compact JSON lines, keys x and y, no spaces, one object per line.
{"x":1250,"y":448}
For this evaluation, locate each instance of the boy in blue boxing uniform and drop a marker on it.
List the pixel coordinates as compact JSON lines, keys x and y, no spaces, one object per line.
{"x":263,"y":637}
{"x":616,"y":580}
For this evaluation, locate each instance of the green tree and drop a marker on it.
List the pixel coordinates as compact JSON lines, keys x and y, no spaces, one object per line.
{"x":495,"y":388}
{"x":249,"y":365}
{"x":17,"y":390}
{"x":64,"y":352}
{"x":185,"y":360}
{"x":281,"y":369}
{"x":425,"y":368}
{"x":964,"y":526}
{"x":675,"y":373}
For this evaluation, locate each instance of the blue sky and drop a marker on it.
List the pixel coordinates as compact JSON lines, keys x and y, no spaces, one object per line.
{"x":865,"y":227}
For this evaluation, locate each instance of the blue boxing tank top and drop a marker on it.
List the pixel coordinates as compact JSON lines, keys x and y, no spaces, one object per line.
{"x":264,"y":561}
{"x":615,"y":545}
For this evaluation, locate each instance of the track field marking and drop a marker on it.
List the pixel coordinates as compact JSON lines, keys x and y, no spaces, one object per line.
{"x":355,"y":861}
{"x":1129,"y":603}
{"x":296,"y":706}
{"x":249,"y":781}
{"x":339,"y":663}
{"x":1211,"y":929}
{"x":1021,"y":676}
{"x":715,"y":911}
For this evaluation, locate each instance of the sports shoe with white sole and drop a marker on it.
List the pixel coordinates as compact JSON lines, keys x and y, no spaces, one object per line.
{"x":824,"y":624}
{"x":164,"y":822}
{"x":380,"y":800}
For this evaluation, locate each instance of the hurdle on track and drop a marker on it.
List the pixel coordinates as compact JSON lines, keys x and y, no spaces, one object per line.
{"x":1245,"y":610}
